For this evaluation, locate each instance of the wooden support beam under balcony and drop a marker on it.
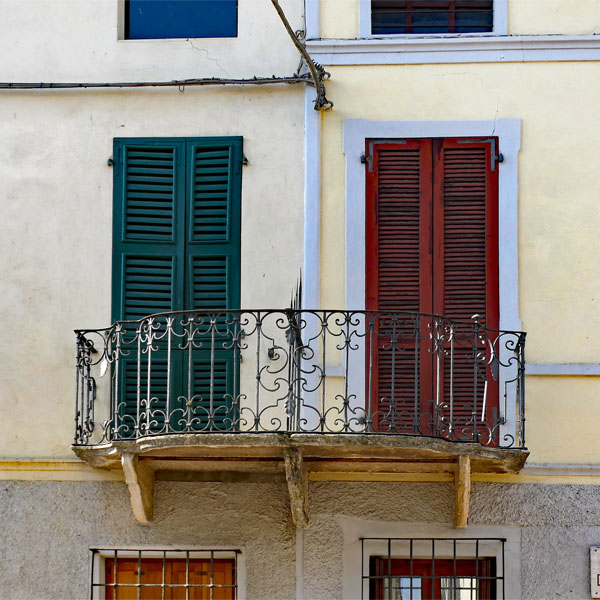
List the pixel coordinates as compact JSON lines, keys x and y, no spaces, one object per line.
{"x":297,"y":480}
{"x":295,"y":459}
{"x":462,"y":485}
{"x":140,"y":481}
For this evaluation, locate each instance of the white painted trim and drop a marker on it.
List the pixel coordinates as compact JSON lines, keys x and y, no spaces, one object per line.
{"x":354,"y":529}
{"x":312,"y":19}
{"x":508,"y":131}
{"x":464,"y":49}
{"x":550,"y":369}
{"x":299,"y":563}
{"x":312,"y":208}
{"x":364,"y":21}
{"x":312,"y":238}
{"x":500,"y":17}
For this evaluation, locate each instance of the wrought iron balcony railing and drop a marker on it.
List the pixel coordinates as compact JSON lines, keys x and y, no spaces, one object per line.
{"x":300,"y":371}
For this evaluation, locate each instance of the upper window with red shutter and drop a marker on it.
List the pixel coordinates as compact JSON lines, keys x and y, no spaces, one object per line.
{"x":431,"y":16}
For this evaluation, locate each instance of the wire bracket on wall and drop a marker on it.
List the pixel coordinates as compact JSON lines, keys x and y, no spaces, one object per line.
{"x":317,"y":72}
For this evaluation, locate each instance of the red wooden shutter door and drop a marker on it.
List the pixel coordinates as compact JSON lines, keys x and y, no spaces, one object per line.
{"x":398,"y":278}
{"x":465,"y":276}
{"x":431,"y":247}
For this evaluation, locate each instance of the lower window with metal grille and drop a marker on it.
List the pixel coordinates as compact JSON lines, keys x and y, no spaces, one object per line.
{"x":186,"y":574}
{"x":433,"y":568}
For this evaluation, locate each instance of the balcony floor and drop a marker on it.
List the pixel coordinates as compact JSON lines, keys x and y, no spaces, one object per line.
{"x":321,"y":452}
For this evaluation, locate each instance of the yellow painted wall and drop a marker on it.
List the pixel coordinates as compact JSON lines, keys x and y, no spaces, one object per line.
{"x":339,"y":18}
{"x":559,"y":218}
{"x":563,"y":419}
{"x":538,"y":17}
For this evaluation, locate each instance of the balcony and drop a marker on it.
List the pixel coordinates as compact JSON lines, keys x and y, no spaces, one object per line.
{"x":300,"y":394}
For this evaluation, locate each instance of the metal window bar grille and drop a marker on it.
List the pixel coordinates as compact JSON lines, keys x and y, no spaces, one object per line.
{"x":433,"y":568}
{"x":189,"y":574}
{"x":431,"y":16}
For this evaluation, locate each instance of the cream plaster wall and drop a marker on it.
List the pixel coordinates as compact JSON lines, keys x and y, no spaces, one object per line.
{"x":339,"y":18}
{"x":77,"y":40}
{"x":56,"y":188}
{"x":56,"y":231}
{"x":559,"y":297}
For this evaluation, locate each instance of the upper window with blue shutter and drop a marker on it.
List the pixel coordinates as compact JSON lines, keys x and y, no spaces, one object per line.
{"x":169,"y":19}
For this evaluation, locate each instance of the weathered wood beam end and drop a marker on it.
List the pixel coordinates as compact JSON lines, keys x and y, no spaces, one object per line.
{"x":140,"y":481}
{"x":462,"y":484}
{"x":297,"y":480}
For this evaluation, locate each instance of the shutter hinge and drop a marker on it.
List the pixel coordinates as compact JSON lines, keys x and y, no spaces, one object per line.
{"x":110,"y":162}
{"x":245,"y":161}
{"x":367,"y":160}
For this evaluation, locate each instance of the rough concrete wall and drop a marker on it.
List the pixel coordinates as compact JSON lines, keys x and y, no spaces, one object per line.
{"x":558,"y":523}
{"x":47,"y":528}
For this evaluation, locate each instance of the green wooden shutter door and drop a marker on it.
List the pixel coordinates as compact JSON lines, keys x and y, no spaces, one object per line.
{"x":148,"y":262}
{"x":213,"y":227}
{"x":148,"y":227}
{"x":177,"y":246}
{"x":213,"y":270}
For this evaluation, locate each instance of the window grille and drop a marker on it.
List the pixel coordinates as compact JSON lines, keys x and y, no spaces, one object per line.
{"x":189,"y":574}
{"x":431,"y":16}
{"x":433,"y":568}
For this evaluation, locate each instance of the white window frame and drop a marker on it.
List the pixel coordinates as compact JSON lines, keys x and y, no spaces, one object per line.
{"x":500,"y":26}
{"x":355,"y":561}
{"x":508,"y":132}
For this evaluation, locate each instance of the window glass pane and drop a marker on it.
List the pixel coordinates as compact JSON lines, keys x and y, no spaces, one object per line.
{"x":469,"y":21}
{"x":430,"y":22}
{"x":403,"y":588}
{"x":158,"y":19}
{"x":458,"y":588}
